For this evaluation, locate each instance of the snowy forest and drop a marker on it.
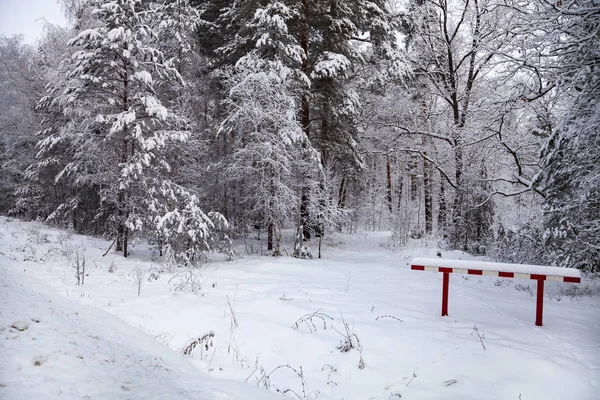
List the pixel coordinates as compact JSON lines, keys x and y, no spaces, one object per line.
{"x":192,"y":123}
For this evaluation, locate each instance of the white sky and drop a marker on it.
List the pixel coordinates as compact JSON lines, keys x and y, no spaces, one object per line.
{"x":26,"y":17}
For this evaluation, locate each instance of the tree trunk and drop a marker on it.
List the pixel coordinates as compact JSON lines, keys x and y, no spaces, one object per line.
{"x":270,"y":234}
{"x":458,"y":203}
{"x":389,"y":183}
{"x":305,"y":119}
{"x":342,"y":193}
{"x":412,"y":171}
{"x":120,"y":234}
{"x":428,"y":197}
{"x":125,"y":243}
{"x":443,"y":208}
{"x":278,"y":240}
{"x":399,"y":192}
{"x":304,"y":216}
{"x":121,"y":246}
{"x":123,"y":213}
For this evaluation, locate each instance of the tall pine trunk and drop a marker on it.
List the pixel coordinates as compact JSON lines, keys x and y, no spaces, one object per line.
{"x":305,"y":119}
{"x":123,"y":213}
{"x":388,"y":169}
{"x":428,"y":197}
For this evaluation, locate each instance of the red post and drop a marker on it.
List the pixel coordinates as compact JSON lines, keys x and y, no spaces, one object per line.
{"x":539,"y":309}
{"x":445,"y":294}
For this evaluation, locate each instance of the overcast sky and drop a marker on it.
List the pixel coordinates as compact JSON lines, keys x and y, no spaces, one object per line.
{"x":26,"y":17}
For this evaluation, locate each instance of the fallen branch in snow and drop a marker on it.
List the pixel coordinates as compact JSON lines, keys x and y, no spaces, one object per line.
{"x":411,"y":378}
{"x":109,"y":247}
{"x":283,"y":298}
{"x":481,"y":337}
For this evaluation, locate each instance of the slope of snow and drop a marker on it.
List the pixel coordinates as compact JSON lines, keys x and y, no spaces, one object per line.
{"x":73,"y":351}
{"x":270,"y":312}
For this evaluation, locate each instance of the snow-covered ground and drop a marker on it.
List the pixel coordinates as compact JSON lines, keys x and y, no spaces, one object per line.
{"x":278,"y":323}
{"x":66,"y":350}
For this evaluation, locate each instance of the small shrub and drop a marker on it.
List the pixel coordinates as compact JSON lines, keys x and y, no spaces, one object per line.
{"x":524,"y":288}
{"x":350,"y":341}
{"x":139,"y":275}
{"x":79,"y":265}
{"x":300,"y":250}
{"x":169,"y":262}
{"x":36,"y":237}
{"x":585,"y":289}
{"x":153,"y":276}
{"x":303,"y":252}
{"x":188,"y":279}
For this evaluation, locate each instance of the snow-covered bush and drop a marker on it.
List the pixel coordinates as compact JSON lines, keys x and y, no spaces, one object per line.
{"x":188,"y":279}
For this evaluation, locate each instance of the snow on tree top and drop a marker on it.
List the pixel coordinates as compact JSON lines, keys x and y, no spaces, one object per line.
{"x":331,"y":65}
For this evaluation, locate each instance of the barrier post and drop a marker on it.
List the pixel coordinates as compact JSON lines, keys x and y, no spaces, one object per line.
{"x":539,"y":309}
{"x":445,"y":294}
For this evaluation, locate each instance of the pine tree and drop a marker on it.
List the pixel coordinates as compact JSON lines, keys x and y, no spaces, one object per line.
{"x":324,"y":37}
{"x":571,"y":160}
{"x":21,"y":82}
{"x":329,"y":32}
{"x":117,"y":130}
{"x":37,"y":195}
{"x":262,"y":102}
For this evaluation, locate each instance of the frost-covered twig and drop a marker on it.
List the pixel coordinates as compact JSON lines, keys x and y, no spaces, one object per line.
{"x":205,"y":341}
{"x":265,"y":381}
{"x":388,"y":316}
{"x":411,"y":378}
{"x":481,"y":337}
{"x":308,"y":320}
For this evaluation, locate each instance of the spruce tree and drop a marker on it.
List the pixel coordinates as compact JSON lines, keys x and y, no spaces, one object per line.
{"x":117,"y":131}
{"x":571,"y":161}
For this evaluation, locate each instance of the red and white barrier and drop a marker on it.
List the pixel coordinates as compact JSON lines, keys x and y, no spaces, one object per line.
{"x":500,"y":270}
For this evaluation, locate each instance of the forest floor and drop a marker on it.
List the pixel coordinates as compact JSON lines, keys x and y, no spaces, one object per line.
{"x":356,"y":324}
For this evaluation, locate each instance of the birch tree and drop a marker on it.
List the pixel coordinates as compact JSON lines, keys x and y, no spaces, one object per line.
{"x":455,"y":49}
